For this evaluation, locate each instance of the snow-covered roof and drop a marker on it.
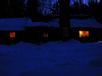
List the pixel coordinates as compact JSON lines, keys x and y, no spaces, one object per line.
{"x":12,"y":23}
{"x":85,"y":23}
{"x":54,"y":23}
{"x":21,"y":23}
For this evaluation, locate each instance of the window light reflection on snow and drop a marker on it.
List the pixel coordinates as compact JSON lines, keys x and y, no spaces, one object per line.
{"x":83,"y":34}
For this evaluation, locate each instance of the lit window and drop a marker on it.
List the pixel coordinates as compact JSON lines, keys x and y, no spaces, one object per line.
{"x":12,"y":34}
{"x":45,"y":34}
{"x":83,"y":34}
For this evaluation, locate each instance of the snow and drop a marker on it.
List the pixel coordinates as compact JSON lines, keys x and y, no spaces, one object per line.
{"x":58,"y":58}
{"x":53,"y":23}
{"x":21,"y":23}
{"x":12,"y":23}
{"x":90,"y":22}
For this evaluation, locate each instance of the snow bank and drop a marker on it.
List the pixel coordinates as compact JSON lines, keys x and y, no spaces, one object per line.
{"x":51,"y":59}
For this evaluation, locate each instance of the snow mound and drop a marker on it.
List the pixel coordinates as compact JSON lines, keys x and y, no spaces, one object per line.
{"x":51,"y":59}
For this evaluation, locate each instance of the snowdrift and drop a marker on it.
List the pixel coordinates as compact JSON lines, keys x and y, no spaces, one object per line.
{"x":51,"y":59}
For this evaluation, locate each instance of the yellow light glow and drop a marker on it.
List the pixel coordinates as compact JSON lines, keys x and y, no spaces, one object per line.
{"x":12,"y":34}
{"x":83,"y":34}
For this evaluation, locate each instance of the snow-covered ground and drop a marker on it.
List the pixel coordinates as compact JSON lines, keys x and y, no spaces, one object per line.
{"x":70,"y":58}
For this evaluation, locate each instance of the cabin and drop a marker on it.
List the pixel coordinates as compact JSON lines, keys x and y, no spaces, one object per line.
{"x":86,"y":30}
{"x":65,"y":26}
{"x":42,"y":31}
{"x":11,"y":30}
{"x":86,"y":20}
{"x":20,"y":22}
{"x":14,"y":30}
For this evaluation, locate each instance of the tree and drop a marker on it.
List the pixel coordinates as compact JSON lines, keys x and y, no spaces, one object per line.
{"x":3,"y":5}
{"x":80,"y":2}
{"x":64,"y":19}
{"x":16,"y":7}
{"x":98,"y":15}
{"x":55,"y":9}
{"x":32,"y":9}
{"x":75,"y":8}
{"x":11,"y":8}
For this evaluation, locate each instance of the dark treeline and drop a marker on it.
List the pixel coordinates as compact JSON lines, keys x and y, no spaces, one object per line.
{"x":10,"y":8}
{"x":32,"y":9}
{"x":17,"y":8}
{"x":91,"y":8}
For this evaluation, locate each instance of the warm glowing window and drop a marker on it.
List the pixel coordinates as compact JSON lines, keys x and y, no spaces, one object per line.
{"x":45,"y":34}
{"x":83,"y":33}
{"x":12,"y":34}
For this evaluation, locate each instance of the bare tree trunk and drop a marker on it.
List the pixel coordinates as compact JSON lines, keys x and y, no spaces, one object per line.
{"x":64,"y":19}
{"x":32,"y":9}
{"x":80,"y":2}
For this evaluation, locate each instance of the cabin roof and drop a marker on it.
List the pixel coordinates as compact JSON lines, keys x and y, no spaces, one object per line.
{"x":85,"y":23}
{"x":21,"y":23}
